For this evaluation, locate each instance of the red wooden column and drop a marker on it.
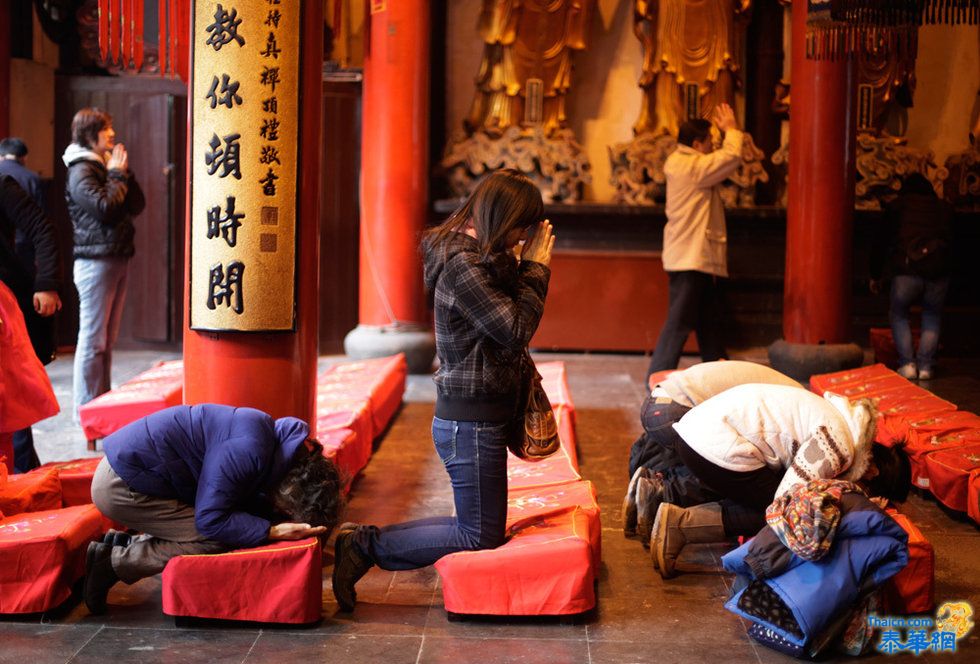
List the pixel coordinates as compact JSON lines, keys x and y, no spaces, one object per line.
{"x":816,"y":300}
{"x":394,"y":185}
{"x":276,"y":371}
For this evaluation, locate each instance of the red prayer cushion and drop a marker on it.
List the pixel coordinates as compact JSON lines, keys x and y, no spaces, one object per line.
{"x":276,"y":583}
{"x":157,"y":388}
{"x":523,"y":504}
{"x":76,"y":479}
{"x":42,"y":554}
{"x":838,"y":380}
{"x":545,"y":568}
{"x":949,"y":474}
{"x":973,"y":496}
{"x":556,"y":469}
{"x":912,"y":589}
{"x":31,"y":492}
{"x":343,"y":448}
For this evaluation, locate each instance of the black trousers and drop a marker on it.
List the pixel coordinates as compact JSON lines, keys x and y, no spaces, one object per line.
{"x":745,"y":495}
{"x":656,"y":449}
{"x":695,"y":304}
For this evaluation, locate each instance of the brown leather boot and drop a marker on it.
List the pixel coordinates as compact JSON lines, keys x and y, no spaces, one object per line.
{"x":676,"y":526}
{"x":629,"y":503}
{"x":649,"y":495}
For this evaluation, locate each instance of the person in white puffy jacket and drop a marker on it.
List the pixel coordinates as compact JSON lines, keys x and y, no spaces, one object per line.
{"x":755,"y":442}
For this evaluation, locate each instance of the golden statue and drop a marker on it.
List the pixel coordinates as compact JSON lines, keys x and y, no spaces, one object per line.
{"x":886,"y":82}
{"x":690,"y":65}
{"x":517,"y":118}
{"x":690,"y":58}
{"x":526,"y":70}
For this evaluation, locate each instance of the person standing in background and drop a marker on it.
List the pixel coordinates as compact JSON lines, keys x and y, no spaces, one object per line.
{"x":34,"y":288}
{"x":695,"y":252}
{"x":103,"y":197}
{"x":915,"y":250}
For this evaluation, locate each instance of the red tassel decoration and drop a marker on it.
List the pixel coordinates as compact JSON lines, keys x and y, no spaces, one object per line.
{"x":138,"y":35}
{"x":104,"y":29}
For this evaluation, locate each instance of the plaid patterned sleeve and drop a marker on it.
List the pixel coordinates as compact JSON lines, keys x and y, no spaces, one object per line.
{"x":510,"y":321}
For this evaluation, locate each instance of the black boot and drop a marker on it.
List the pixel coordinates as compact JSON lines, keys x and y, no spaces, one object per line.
{"x":349,"y":565}
{"x":117,"y":538}
{"x":99,"y":577}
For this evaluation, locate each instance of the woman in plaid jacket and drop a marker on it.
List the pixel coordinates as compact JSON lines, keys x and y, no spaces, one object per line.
{"x":488,"y":292}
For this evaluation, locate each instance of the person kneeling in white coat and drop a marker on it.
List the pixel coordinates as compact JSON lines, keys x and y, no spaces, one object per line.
{"x":754,"y":442}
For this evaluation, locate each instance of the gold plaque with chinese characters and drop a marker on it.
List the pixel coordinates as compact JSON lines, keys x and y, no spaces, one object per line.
{"x":244,"y":155}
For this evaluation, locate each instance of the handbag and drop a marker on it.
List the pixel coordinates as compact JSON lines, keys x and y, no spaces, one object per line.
{"x":535,"y":431}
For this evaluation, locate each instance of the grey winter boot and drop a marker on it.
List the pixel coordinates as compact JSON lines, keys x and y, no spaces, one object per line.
{"x":629,"y":503}
{"x":649,"y":495}
{"x":676,"y":526}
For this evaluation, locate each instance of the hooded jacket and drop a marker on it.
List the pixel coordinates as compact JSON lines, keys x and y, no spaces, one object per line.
{"x":214,"y":458}
{"x":101,"y":204}
{"x":486,"y":312}
{"x":782,"y":427}
{"x":869,"y":548}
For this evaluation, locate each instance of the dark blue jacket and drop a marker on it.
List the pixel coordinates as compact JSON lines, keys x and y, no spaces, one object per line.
{"x":869,"y":548}
{"x":215,"y":458}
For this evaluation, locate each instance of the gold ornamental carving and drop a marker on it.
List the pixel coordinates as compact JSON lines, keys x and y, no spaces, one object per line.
{"x":517,"y":118}
{"x":244,"y":152}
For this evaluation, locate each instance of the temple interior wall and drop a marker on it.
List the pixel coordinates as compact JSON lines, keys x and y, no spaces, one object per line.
{"x":605,"y":99}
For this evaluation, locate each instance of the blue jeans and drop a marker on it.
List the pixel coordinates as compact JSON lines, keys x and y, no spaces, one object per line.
{"x":101,"y":284}
{"x":695,"y":304}
{"x":906,"y":291}
{"x":475,"y":456}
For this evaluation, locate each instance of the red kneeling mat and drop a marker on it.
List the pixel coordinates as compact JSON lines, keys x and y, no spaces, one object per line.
{"x":524,"y":504}
{"x":333,"y":414}
{"x":973,"y":496}
{"x":276,"y":583}
{"x":30,"y":492}
{"x":155,"y":389}
{"x":544,"y":569}
{"x":42,"y":554}
{"x":911,"y":590}
{"x":556,"y":469}
{"x":949,"y":474}
{"x":380,"y":381}
{"x":919,"y":449}
{"x":342,"y":447}
{"x":565,"y":419}
{"x":76,"y":479}
{"x":838,"y":380}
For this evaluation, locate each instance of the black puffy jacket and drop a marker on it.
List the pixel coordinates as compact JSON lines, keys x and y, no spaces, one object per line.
{"x":102,"y":204}
{"x":19,"y":212}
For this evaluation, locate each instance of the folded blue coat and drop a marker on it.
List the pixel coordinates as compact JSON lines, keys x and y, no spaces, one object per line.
{"x":869,"y":548}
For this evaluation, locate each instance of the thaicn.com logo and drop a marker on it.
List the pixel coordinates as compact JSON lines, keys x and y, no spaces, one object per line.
{"x":920,"y":634}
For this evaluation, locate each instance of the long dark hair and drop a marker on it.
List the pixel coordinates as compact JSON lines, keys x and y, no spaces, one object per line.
{"x":503,"y":201}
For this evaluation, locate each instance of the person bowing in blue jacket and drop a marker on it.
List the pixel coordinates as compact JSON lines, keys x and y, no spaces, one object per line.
{"x":206,"y":479}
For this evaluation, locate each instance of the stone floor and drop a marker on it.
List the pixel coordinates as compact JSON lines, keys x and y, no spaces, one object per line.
{"x":400,"y":617}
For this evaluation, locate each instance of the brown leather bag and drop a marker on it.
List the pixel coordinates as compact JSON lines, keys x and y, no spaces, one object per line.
{"x":535,"y":434}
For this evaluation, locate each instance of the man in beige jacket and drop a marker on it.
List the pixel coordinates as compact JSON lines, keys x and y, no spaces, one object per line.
{"x":695,"y":240}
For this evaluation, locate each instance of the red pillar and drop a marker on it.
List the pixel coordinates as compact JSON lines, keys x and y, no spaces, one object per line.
{"x":274,"y":372}
{"x":816,"y":299}
{"x":394,"y":184}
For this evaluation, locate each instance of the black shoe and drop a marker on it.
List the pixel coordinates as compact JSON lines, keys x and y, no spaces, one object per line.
{"x":99,"y":577}
{"x":349,"y":565}
{"x":117,"y":538}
